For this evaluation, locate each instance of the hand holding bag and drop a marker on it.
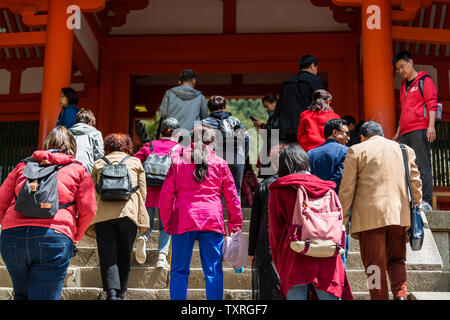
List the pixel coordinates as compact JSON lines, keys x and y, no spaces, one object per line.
{"x":415,"y":233}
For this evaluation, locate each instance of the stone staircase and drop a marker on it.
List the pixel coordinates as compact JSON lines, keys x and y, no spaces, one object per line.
{"x":83,"y":281}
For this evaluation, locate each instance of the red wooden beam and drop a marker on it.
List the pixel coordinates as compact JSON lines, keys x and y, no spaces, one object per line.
{"x":437,"y":22}
{"x":229,"y":16}
{"x":22,"y":39}
{"x":84,"y":64}
{"x":413,"y":46}
{"x":446,"y":26}
{"x":426,"y":24}
{"x":3,"y":24}
{"x":15,"y":29}
{"x":421,"y":35}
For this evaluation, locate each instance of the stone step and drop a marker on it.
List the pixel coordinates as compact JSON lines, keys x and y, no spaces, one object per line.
{"x":156,"y":278}
{"x":197,"y":294}
{"x":429,"y":296}
{"x":135,"y":294}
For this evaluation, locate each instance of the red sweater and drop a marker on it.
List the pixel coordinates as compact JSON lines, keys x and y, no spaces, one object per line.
{"x":73,"y":184}
{"x":412,"y":114}
{"x":327,"y":274}
{"x":310,"y":129}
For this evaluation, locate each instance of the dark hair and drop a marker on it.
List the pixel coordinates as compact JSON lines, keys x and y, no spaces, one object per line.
{"x":216,"y":103}
{"x":358,"y":126}
{"x":60,"y":138}
{"x":187,"y":75}
{"x":202,"y":136}
{"x":333,"y":124}
{"x":292,"y":159}
{"x":402,"y":55}
{"x":307,"y":60}
{"x":371,"y":128}
{"x":350,"y":120}
{"x":319,"y":100}
{"x":71,"y":95}
{"x":86,"y":116}
{"x":169,"y":125}
{"x":118,"y":142}
{"x":270,"y":98}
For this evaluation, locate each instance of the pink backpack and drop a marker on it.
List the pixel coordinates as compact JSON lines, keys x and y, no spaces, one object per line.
{"x":317,"y":228}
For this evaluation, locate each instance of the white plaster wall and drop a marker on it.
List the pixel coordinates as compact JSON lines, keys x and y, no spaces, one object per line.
{"x":272,"y":16}
{"x":5,"y":79}
{"x":88,"y":41}
{"x":32,"y":80}
{"x":175,"y":17}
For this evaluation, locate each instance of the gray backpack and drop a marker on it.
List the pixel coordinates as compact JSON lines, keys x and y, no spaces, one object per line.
{"x":115,"y":182}
{"x":156,"y":166}
{"x":38,"y":198}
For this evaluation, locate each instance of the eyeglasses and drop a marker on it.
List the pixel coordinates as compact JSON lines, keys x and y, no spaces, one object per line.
{"x":346,"y":132}
{"x":401,"y":67}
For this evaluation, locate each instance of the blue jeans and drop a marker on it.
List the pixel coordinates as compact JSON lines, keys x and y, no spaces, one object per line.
{"x":299,"y":292}
{"x":164,"y":237}
{"x":37,"y":259}
{"x":210,"y":245}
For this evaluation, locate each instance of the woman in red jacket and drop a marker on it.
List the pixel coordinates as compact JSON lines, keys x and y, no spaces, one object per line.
{"x":37,"y":251}
{"x":297,"y":271}
{"x":312,"y":121}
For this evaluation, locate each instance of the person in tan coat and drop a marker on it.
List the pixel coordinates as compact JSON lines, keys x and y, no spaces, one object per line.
{"x":116,"y":224}
{"x":374,"y":190}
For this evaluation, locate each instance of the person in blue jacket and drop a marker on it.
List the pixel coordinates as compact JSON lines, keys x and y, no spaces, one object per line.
{"x":327,"y":160}
{"x":68,"y":101}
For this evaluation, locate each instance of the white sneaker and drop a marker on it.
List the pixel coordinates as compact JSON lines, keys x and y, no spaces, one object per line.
{"x":140,"y":253}
{"x":162,"y":263}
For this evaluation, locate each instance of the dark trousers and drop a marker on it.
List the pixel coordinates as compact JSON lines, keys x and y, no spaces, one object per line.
{"x":115,"y":239}
{"x":237,"y":171}
{"x":417,"y":140}
{"x":384,"y":249}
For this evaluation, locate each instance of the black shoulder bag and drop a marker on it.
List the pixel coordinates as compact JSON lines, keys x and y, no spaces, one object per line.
{"x":415,"y":233}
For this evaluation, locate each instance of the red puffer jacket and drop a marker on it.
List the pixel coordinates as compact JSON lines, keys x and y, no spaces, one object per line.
{"x":74,"y":184}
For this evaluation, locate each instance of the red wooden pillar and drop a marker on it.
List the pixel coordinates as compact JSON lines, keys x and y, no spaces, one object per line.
{"x":378,"y":73}
{"x":57,"y":65}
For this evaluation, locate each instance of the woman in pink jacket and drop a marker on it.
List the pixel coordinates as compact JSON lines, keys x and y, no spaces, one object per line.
{"x":191,"y":208}
{"x":37,"y":251}
{"x":169,"y":128}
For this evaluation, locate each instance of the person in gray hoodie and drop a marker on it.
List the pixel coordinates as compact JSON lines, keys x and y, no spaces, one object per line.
{"x":185,"y":104}
{"x":89,"y":140}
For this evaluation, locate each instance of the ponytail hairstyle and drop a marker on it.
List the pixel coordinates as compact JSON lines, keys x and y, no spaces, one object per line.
{"x":321,"y":100}
{"x":202,"y":136}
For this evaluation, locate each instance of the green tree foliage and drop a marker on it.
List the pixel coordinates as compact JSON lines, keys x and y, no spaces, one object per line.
{"x":240,"y":108}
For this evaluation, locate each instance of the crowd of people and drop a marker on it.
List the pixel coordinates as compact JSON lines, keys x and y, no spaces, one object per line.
{"x":321,"y":167}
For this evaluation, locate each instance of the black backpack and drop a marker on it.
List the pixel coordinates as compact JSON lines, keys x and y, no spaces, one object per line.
{"x":439,"y":107}
{"x":156,"y":166}
{"x":38,"y":198}
{"x":115,"y":182}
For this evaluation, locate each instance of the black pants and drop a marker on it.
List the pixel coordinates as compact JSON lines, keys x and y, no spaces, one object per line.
{"x":237,"y":170}
{"x":417,"y":140}
{"x":115,"y":239}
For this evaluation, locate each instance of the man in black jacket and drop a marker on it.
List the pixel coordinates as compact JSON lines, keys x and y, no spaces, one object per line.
{"x":296,"y":95}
